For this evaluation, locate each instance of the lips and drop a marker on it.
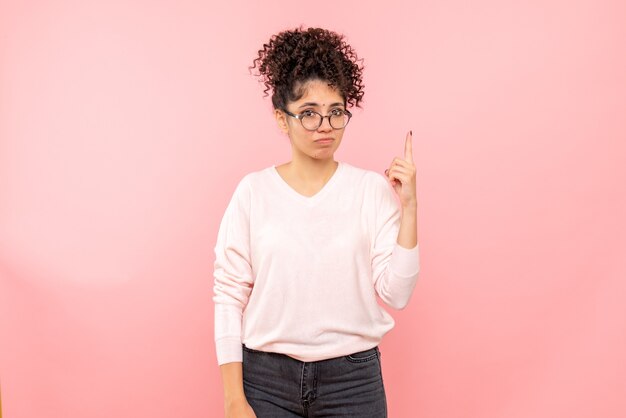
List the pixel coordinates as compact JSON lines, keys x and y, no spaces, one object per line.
{"x":324,"y":140}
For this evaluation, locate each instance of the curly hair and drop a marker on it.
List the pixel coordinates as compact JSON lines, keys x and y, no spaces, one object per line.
{"x":293,"y":57}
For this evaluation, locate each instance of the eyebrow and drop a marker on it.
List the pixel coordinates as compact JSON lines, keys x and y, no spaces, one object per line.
{"x":315,"y":104}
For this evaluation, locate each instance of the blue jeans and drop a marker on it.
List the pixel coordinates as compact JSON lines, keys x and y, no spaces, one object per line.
{"x":278,"y":386}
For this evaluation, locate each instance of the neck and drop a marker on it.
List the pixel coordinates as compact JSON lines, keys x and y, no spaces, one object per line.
{"x":312,"y":170}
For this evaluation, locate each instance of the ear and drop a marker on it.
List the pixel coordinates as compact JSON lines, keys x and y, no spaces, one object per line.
{"x":281,"y":119}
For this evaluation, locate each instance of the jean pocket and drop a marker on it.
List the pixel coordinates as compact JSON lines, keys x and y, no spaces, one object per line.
{"x":363,"y":356}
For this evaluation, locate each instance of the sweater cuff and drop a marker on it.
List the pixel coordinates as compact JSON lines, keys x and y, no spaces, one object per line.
{"x":405,"y":262}
{"x":228,"y":350}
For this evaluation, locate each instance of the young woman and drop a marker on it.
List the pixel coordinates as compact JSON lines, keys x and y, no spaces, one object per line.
{"x":305,"y":247}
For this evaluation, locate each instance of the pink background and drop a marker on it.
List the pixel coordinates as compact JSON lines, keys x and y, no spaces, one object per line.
{"x":125,"y":126}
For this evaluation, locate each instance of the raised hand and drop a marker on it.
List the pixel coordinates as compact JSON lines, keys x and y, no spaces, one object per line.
{"x":401,"y":174}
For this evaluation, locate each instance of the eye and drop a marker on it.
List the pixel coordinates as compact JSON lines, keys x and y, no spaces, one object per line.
{"x":337,"y":112}
{"x":308,"y":113}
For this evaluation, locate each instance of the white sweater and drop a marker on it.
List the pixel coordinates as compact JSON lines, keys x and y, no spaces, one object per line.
{"x":299,"y":275}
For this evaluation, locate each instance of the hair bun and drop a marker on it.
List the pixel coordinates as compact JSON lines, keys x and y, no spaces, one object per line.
{"x":295,"y":56}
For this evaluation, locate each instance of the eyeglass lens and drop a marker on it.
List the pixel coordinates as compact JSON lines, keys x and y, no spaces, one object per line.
{"x":313,"y":121}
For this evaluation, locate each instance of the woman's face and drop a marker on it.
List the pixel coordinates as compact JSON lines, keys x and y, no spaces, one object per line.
{"x":322,"y":99}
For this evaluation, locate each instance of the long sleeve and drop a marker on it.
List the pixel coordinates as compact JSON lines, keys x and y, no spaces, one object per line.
{"x":303,"y":275}
{"x":395,"y":268}
{"x":232,"y":274}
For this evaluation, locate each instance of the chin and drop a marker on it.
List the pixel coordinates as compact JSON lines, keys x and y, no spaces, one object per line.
{"x":323,"y":155}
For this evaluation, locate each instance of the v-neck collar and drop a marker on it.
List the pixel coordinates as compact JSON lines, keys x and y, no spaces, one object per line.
{"x":300,"y":197}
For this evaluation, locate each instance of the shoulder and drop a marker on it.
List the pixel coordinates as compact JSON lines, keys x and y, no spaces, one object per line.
{"x":374,"y":187}
{"x":253,"y":180}
{"x":369,"y":179}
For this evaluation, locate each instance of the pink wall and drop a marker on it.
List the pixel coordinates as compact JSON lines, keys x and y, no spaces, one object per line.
{"x":124,"y":127}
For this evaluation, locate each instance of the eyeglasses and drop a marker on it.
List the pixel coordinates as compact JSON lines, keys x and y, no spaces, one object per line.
{"x":311,"y":120}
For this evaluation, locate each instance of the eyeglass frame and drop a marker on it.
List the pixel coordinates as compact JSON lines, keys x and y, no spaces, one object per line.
{"x":299,"y":117}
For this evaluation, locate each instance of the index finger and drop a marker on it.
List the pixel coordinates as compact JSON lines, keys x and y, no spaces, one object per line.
{"x":408,"y":147}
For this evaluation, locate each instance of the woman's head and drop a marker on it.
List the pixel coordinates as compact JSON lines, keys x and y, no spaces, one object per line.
{"x":292,"y":58}
{"x":308,"y":71}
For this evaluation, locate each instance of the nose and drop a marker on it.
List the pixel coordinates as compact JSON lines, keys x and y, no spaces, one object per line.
{"x":325,"y":126}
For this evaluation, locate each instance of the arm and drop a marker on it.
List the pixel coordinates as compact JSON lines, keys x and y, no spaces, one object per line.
{"x":407,"y":235}
{"x":235,"y":403}
{"x":232,"y":286}
{"x":232,"y":381}
{"x":396,"y":252}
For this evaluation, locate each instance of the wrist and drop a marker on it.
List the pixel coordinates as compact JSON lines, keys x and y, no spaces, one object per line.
{"x":409,"y":206}
{"x":235,"y":398}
